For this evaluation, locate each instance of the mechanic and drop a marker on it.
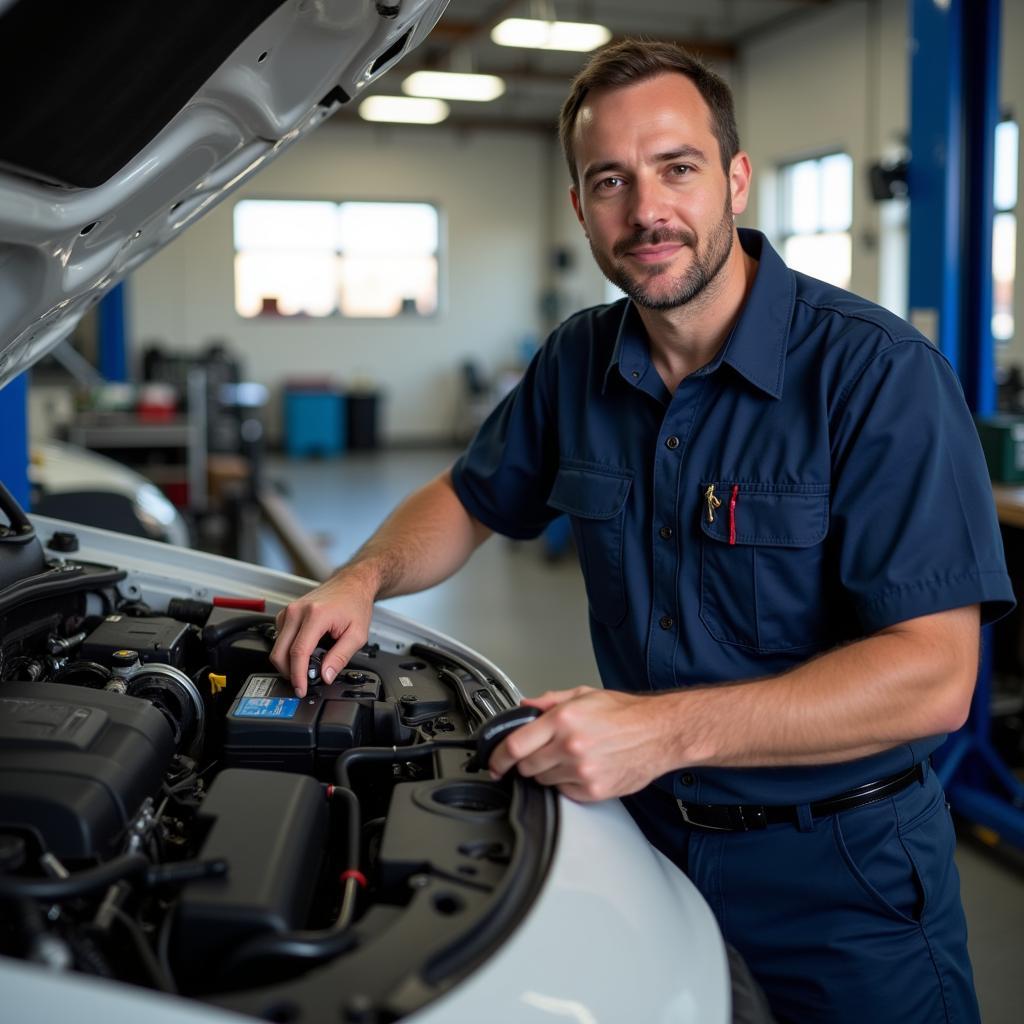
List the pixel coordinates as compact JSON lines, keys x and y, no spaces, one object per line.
{"x":788,"y":539}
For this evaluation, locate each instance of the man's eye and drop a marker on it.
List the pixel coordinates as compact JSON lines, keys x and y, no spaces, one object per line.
{"x":681,"y":170}
{"x":609,"y":183}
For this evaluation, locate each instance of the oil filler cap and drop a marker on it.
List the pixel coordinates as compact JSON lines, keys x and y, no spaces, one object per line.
{"x":64,"y":541}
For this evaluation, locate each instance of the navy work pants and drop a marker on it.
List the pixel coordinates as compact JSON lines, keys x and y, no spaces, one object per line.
{"x":853,"y":917}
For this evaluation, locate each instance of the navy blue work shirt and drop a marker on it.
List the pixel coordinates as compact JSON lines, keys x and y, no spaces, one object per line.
{"x":818,"y":480}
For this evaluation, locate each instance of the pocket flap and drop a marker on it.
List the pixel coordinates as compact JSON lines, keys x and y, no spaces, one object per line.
{"x":772,"y":518}
{"x":589,"y":493}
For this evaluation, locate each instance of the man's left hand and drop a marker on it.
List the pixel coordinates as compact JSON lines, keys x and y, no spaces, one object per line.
{"x":591,"y":744}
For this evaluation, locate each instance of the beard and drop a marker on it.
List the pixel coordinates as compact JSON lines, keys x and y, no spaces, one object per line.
{"x":707,"y":261}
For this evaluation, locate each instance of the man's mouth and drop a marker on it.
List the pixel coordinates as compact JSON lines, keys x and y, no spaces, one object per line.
{"x":654,"y":253}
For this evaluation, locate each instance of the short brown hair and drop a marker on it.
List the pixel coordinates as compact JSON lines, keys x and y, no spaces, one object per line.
{"x":634,"y":60}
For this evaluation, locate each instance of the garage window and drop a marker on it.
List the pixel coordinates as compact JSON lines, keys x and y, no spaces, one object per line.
{"x":303,"y":258}
{"x":1004,"y":230}
{"x":815,"y":215}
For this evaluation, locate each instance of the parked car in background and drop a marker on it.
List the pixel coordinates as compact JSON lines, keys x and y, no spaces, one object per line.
{"x":68,"y":482}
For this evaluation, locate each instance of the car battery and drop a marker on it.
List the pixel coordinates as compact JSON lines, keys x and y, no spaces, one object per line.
{"x":268,"y":727}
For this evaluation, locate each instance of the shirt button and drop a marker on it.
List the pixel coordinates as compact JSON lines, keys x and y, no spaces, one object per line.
{"x":665,"y":532}
{"x":672,"y":442}
{"x":666,"y":622}
{"x":687,"y":779}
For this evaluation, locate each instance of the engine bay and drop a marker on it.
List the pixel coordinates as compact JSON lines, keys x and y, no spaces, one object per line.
{"x":173,"y":816}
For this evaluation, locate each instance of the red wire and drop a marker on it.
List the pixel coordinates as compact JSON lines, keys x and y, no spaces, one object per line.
{"x":732,"y":513}
{"x":249,"y":604}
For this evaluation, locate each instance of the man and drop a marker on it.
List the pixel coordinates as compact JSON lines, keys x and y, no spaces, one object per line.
{"x":786,"y":531}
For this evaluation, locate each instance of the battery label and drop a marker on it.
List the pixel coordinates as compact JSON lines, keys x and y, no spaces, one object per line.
{"x":260,"y":686}
{"x":267,"y":707}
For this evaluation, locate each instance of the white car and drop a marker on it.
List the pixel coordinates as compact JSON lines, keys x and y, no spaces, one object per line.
{"x":181,"y":838}
{"x":74,"y":483}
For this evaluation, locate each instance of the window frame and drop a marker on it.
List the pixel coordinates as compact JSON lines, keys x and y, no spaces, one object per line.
{"x":337,"y":315}
{"x":783,"y":229}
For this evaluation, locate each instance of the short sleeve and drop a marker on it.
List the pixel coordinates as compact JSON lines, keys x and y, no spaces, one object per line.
{"x":505,"y":475}
{"x":912,"y":512}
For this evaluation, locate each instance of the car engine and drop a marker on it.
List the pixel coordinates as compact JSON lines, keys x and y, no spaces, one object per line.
{"x":173,"y":816}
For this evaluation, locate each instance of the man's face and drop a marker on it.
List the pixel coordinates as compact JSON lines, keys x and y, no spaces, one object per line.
{"x":653,"y":198}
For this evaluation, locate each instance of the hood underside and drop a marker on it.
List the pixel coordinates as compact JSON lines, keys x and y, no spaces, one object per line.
{"x":139,"y":122}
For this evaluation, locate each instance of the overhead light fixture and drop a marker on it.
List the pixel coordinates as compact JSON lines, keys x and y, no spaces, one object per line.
{"x":534,"y":34}
{"x":452,"y":85}
{"x":403,"y":110}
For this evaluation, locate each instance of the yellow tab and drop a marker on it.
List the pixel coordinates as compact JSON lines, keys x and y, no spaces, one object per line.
{"x":712,"y":502}
{"x":217,"y":683}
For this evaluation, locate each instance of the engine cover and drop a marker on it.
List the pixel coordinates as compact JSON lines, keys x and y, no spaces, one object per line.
{"x":77,"y":764}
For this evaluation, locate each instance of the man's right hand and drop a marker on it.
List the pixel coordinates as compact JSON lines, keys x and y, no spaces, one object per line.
{"x":341,"y":607}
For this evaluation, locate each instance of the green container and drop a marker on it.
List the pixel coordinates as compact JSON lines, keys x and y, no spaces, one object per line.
{"x":1002,"y":439}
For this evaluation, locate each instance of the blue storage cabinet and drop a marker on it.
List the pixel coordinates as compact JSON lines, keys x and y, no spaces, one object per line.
{"x":314,"y":421}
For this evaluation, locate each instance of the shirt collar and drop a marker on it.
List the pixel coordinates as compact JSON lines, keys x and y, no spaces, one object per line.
{"x":631,"y":354}
{"x":756,"y":348}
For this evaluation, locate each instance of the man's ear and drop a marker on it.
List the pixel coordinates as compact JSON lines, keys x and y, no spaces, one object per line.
{"x":740,"y":173}
{"x":574,"y":197}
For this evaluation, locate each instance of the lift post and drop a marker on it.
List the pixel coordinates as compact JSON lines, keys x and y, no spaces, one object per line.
{"x":954,"y":110}
{"x":14,"y":430}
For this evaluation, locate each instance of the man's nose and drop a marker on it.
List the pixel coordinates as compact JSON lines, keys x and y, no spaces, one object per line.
{"x":649,"y":207}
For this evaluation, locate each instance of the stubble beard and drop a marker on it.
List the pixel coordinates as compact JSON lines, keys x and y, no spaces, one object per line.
{"x":705,"y":266}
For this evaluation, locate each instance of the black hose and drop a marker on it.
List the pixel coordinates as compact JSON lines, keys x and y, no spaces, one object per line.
{"x":130,"y":865}
{"x":389,"y":755}
{"x":79,"y":884}
{"x":160,"y":978}
{"x":89,"y":959}
{"x":308,"y":947}
{"x":216,"y":633}
{"x":83,"y":673}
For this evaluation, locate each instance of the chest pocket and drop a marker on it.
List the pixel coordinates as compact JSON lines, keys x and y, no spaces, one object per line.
{"x":763,"y":566}
{"x":595,"y":501}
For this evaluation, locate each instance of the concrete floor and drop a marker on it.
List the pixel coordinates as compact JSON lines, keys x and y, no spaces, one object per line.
{"x":529,"y":616}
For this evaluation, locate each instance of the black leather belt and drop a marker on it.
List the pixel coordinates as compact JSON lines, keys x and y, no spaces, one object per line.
{"x":748,"y":817}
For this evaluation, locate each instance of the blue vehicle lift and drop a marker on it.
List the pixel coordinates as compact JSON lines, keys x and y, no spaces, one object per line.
{"x":954,"y":110}
{"x":14,"y":431}
{"x":113,"y":358}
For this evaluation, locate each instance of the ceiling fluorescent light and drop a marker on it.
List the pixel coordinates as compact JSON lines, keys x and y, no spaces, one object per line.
{"x":450,"y":85}
{"x":550,"y":35}
{"x":403,"y":109}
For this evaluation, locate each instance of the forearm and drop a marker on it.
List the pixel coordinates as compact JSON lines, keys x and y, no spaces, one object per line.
{"x":424,"y":541}
{"x":890,"y":688}
{"x":906,"y":682}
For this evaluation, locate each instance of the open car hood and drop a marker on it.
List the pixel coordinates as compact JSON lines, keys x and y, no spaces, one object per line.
{"x":141,"y":119}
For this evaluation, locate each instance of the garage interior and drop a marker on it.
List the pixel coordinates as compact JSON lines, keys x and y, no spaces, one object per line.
{"x":285,"y":428}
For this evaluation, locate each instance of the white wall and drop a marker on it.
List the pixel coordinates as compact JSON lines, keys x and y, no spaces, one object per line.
{"x":840,"y":80}
{"x":837,"y":81}
{"x":493,"y":195}
{"x":834,"y":80}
